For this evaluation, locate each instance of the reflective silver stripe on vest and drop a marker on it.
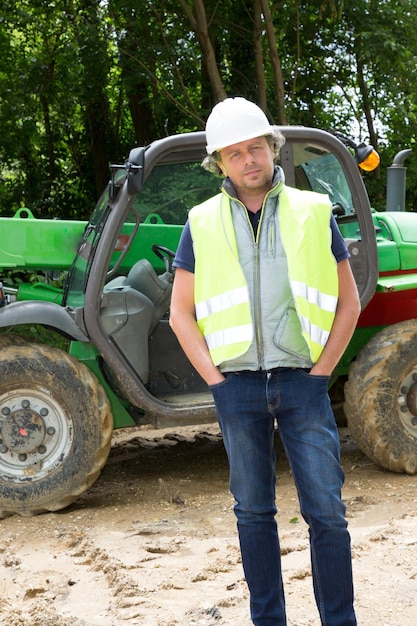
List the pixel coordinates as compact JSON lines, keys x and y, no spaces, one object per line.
{"x":224,"y":301}
{"x":325,"y":301}
{"x":316,"y":334}
{"x":229,"y":336}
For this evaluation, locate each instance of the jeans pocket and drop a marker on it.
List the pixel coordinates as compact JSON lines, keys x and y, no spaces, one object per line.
{"x":314,"y":377}
{"x":221,"y":384}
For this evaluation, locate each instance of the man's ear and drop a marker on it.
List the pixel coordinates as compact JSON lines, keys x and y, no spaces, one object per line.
{"x":221,"y":166}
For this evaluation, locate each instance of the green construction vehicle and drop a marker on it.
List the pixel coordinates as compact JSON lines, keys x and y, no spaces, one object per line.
{"x":124,"y":366}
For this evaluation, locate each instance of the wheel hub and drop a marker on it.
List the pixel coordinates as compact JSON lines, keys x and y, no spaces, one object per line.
{"x":23,"y":431}
{"x":407,"y":401}
{"x":35,"y":434}
{"x":412,"y":399}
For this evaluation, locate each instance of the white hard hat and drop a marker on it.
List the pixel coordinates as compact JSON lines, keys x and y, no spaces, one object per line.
{"x":235,"y":120}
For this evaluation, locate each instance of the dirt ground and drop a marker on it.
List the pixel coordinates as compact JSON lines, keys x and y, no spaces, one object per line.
{"x":154,"y":542}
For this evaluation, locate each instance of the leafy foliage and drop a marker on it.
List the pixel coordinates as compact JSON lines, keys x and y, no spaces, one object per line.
{"x":83,"y":81}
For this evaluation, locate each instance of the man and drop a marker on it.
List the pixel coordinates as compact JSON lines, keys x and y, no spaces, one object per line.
{"x":264,"y":304}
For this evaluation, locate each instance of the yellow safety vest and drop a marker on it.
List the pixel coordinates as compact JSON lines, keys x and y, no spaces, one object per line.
{"x":221,"y":293}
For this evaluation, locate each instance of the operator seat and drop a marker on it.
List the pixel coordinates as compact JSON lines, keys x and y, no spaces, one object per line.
{"x":131,"y":308}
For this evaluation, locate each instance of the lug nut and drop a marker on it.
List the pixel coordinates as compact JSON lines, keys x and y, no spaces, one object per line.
{"x":42,"y":449}
{"x":3,"y":449}
{"x":44,"y":412}
{"x":25,"y":404}
{"x":50,"y":430}
{"x":5,"y":410}
{"x":22,"y":457}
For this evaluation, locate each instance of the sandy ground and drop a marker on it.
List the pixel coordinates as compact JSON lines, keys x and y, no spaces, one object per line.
{"x":154,"y":542}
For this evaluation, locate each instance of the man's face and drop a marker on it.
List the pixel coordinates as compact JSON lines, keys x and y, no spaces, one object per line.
{"x":249,"y":164}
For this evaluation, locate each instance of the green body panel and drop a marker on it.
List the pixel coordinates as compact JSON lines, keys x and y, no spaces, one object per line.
{"x":39,"y":291}
{"x":396,"y":242}
{"x":396,"y":237}
{"x":388,"y":255}
{"x":32,"y":244}
{"x":87,"y":354}
{"x":397,"y":283}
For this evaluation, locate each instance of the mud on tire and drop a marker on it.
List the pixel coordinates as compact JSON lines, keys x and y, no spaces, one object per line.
{"x":381,"y":398}
{"x":55,"y":428}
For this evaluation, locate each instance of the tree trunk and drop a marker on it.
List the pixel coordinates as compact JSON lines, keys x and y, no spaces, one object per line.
{"x":198,"y":21}
{"x":259,"y":60}
{"x":49,"y":139}
{"x":94,"y":71}
{"x":366,"y":102}
{"x":275,"y":61}
{"x":141,"y":115}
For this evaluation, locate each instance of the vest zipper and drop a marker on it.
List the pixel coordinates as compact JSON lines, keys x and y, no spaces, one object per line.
{"x":257,"y":292}
{"x":257,"y":306}
{"x":256,"y":279}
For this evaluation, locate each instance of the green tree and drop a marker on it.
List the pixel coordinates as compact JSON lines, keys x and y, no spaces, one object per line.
{"x":83,"y":81}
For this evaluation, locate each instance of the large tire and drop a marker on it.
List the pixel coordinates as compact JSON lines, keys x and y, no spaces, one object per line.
{"x":55,"y":428}
{"x":381,"y":398}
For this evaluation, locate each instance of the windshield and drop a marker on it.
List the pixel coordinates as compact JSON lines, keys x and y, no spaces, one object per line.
{"x":324,"y":174}
{"x":78,"y":275}
{"x":172,"y":189}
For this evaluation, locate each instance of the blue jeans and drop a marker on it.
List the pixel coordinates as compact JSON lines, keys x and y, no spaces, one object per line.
{"x":248,"y":404}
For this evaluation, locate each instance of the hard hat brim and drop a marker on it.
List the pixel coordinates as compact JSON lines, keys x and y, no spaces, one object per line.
{"x":216,"y":147}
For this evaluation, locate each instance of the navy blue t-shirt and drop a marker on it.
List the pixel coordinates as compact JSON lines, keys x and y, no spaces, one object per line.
{"x":184,"y":257}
